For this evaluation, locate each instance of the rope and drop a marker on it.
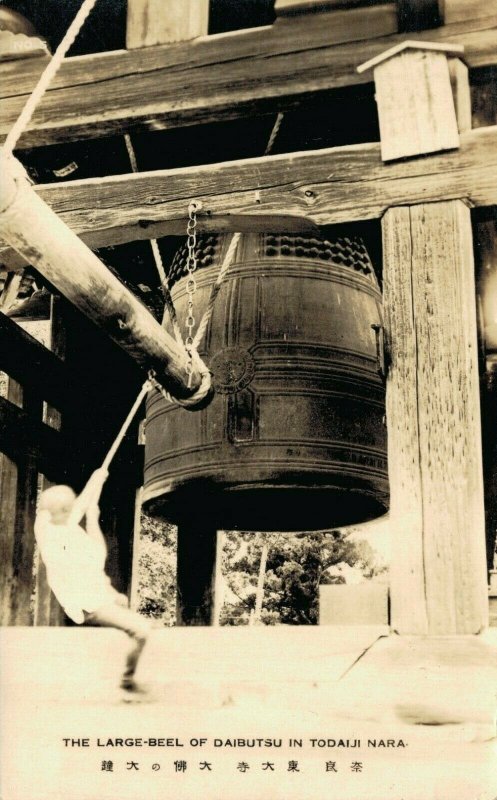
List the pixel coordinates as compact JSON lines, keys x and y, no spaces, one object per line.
{"x":215,"y":291}
{"x":229,"y":255}
{"x":274,"y":133}
{"x":127,"y":422}
{"x":47,"y":76}
{"x":201,"y":393}
{"x":157,"y":257}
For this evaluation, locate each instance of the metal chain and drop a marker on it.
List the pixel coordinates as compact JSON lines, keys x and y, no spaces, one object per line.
{"x":191,"y":283}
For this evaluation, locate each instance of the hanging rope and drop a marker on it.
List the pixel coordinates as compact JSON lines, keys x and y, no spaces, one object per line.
{"x":230,"y":254}
{"x":164,"y":282}
{"x":202,"y":326}
{"x":147,"y":386}
{"x":274,"y":133}
{"x":47,"y":76}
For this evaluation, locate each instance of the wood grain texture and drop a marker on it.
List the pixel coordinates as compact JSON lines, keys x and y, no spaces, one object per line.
{"x":433,"y":408}
{"x":19,"y":462}
{"x":216,"y":77}
{"x":415,"y":105}
{"x":463,"y":10}
{"x":461,"y":92}
{"x":31,"y":227}
{"x":321,"y":187}
{"x":284,"y":8}
{"x":46,"y":608}
{"x":151,"y":22}
{"x":408,"y":605}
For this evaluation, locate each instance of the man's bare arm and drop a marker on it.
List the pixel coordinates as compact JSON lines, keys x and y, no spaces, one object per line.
{"x":93,"y":528}
{"x":89,"y":496}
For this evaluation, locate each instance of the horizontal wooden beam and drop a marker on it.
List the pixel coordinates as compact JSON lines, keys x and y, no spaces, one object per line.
{"x":217,"y":77}
{"x":31,"y":227}
{"x":22,"y":436}
{"x":321,"y":187}
{"x":34,"y":366}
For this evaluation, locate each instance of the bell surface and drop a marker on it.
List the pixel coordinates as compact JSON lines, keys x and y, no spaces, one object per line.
{"x":294,"y":438}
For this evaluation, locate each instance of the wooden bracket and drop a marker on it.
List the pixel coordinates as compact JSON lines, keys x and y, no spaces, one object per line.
{"x":416,"y":107}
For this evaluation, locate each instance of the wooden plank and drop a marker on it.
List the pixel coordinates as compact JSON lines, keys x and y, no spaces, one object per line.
{"x":283,"y":8}
{"x":435,"y":460}
{"x":39,"y":235}
{"x":328,"y":186}
{"x":461,"y":92}
{"x":21,"y":434}
{"x":29,"y":362}
{"x":417,"y":15}
{"x":415,"y":104}
{"x":46,"y":608}
{"x":463,"y":10}
{"x":218,"y":77}
{"x":408,"y":607}
{"x":18,"y":483}
{"x":151,"y":22}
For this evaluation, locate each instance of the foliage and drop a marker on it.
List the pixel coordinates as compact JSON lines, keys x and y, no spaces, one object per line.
{"x":296,"y":564}
{"x":157,"y":570}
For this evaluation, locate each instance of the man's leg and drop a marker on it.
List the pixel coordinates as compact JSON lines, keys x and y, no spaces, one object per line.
{"x":137,"y":628}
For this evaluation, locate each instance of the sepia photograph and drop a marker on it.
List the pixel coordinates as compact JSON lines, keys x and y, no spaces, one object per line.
{"x":248,"y":399}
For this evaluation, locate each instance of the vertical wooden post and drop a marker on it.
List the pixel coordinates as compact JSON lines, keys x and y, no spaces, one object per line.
{"x":416,"y":106}
{"x":18,"y":487}
{"x":47,"y":610}
{"x":438,"y":581}
{"x":152,"y":22}
{"x":197,"y":550}
{"x":433,"y":418}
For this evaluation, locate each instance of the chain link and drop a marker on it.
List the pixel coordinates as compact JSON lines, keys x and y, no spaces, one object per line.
{"x":191,"y":284}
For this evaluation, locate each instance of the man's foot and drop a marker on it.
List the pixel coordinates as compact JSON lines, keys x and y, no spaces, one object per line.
{"x":130,"y":685}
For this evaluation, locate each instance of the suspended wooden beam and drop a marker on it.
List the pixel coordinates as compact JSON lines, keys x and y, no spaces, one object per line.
{"x":30,"y":226}
{"x":151,"y":22}
{"x":322,"y":187}
{"x":256,"y":71}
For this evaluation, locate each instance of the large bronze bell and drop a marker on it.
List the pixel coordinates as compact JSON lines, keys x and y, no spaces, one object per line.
{"x":294,"y":438}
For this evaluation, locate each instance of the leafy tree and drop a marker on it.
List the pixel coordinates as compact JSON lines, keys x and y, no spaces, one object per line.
{"x":297,"y":563}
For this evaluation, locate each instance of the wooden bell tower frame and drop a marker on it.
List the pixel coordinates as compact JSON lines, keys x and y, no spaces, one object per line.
{"x":422,"y":180}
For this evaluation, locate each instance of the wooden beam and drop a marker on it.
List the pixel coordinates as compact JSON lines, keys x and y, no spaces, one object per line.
{"x":24,"y":434}
{"x":46,"y":608}
{"x":39,"y":235}
{"x":151,"y":22}
{"x":34,"y":366}
{"x":461,"y":10}
{"x":414,"y":97}
{"x":18,"y":480}
{"x":283,"y":8}
{"x":438,"y":583}
{"x":219,"y":77}
{"x":322,"y":187}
